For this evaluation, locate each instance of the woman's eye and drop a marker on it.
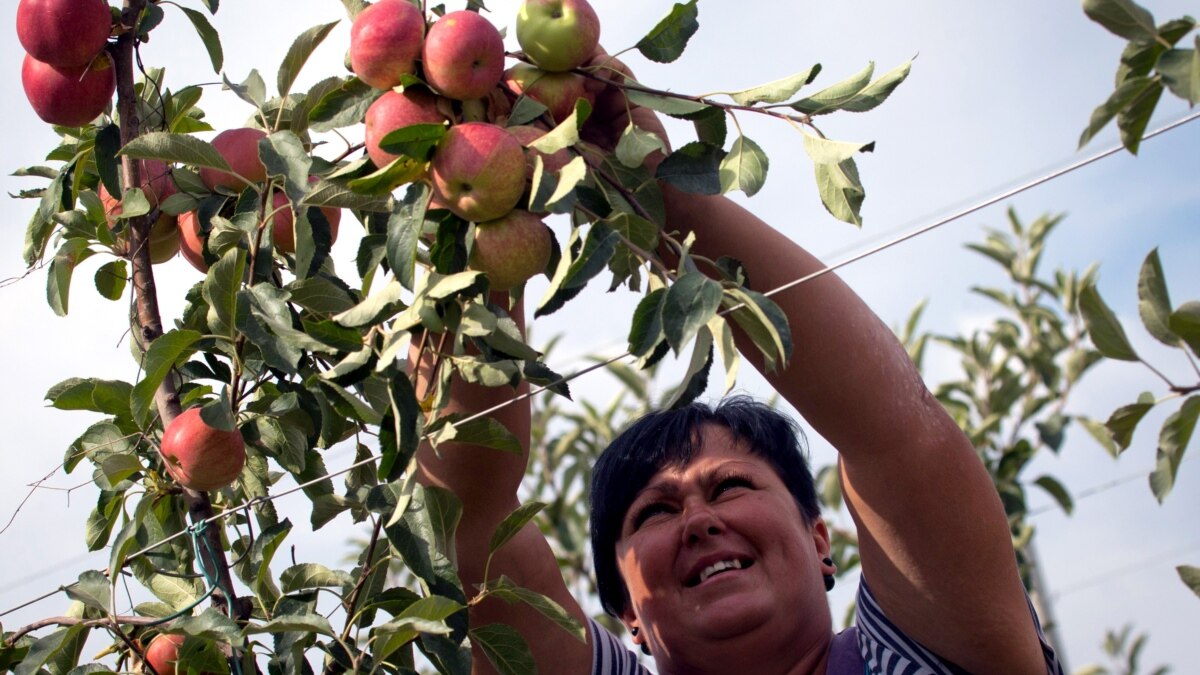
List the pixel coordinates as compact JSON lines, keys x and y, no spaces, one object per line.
{"x":730,"y":483}
{"x":647,"y":512}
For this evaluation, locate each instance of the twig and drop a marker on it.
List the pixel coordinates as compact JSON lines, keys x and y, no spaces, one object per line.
{"x":75,"y":621}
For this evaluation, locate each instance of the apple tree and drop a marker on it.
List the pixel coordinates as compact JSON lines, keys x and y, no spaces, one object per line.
{"x":277,"y":357}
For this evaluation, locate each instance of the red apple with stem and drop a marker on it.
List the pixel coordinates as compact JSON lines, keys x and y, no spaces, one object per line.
{"x":199,"y":456}
{"x":511,"y":249}
{"x":239,"y":147}
{"x":63,"y":33}
{"x":72,"y":96}
{"x":478,"y":171}
{"x":396,"y":110}
{"x":558,"y":35}
{"x":385,"y":42}
{"x":191,"y":245}
{"x":463,"y":56}
{"x":283,"y":222}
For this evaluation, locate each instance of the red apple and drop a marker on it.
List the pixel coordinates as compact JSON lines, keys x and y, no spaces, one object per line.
{"x":63,"y":33}
{"x":282,"y":228}
{"x":239,"y":147}
{"x":191,"y":246}
{"x":157,"y":184}
{"x":556,"y":91}
{"x":385,"y":42}
{"x":70,"y":97}
{"x":201,"y":457}
{"x":558,"y":35}
{"x":478,"y":171}
{"x":394,"y":111}
{"x":463,"y":56}
{"x":163,"y":652}
{"x":511,"y":249}
{"x":164,"y":233}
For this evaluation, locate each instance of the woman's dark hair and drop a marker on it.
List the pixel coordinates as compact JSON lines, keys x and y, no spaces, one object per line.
{"x":672,"y":438}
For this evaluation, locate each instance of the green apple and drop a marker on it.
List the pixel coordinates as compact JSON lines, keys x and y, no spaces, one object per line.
{"x":558,"y":35}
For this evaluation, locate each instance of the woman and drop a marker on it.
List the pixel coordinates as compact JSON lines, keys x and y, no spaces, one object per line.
{"x":708,"y":544}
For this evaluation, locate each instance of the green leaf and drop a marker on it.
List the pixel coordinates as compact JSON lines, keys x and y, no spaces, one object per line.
{"x":508,"y":590}
{"x":283,"y":154}
{"x":636,"y":144}
{"x":1121,"y":99}
{"x":1132,"y":121}
{"x":333,"y":193}
{"x":764,"y":322}
{"x":382,"y":182}
{"x":525,"y":110}
{"x":210,"y":625}
{"x":1154,"y":303}
{"x":777,"y":91}
{"x":668,"y":105}
{"x":311,"y":575}
{"x":93,"y":590}
{"x":1185,"y":322}
{"x":667,"y":40}
{"x":46,"y":648}
{"x":293,"y":623}
{"x":159,"y":359}
{"x":1172,"y":442}
{"x":108,"y":143}
{"x":694,"y":168}
{"x":341,"y":106}
{"x":252,"y":90}
{"x":416,"y":141}
{"x":298,"y":54}
{"x":487,"y":432}
{"x":505,"y":648}
{"x":404,"y":232}
{"x":320,"y":295}
{"x":208,"y":35}
{"x":1123,"y":18}
{"x":445,"y":512}
{"x":695,"y":380}
{"x":727,"y":349}
{"x":376,"y":308}
{"x":220,"y":290}
{"x":1101,"y":434}
{"x":646,"y":331}
{"x":841,"y":190}
{"x":572,"y":275}
{"x":744,"y":168}
{"x":1102,"y":325}
{"x":62,"y":268}
{"x":825,"y":151}
{"x":690,"y":303}
{"x":1124,"y":420}
{"x":1056,"y":490}
{"x":566,"y":134}
{"x":111,"y":278}
{"x":1180,"y":70}
{"x":512,"y":524}
{"x":175,"y":149}
{"x":1190,"y":577}
{"x":856,"y":93}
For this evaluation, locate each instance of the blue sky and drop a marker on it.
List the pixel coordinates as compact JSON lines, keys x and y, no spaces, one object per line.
{"x":998,"y":92}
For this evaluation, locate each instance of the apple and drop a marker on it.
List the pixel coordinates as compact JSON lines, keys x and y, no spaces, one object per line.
{"x":395,"y":110}
{"x":511,"y":249}
{"x":164,"y":233}
{"x":157,"y":184}
{"x":557,"y":91}
{"x":463,"y":56}
{"x":239,"y":147}
{"x":163,"y":652}
{"x":191,"y":245}
{"x":558,"y":35}
{"x":478,"y":171}
{"x":63,"y":33}
{"x":201,"y":457}
{"x":72,"y":96}
{"x":385,"y":42}
{"x":282,"y":230}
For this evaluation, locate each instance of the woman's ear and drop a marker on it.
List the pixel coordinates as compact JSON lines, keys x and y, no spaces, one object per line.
{"x":636,"y":631}
{"x":820,"y":535}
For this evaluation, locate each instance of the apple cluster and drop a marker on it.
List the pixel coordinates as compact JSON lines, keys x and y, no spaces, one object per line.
{"x":453,"y":73}
{"x":239,"y":148}
{"x":68,"y":75}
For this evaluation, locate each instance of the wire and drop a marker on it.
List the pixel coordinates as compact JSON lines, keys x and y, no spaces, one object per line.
{"x":1125,"y":569}
{"x":568,"y":378}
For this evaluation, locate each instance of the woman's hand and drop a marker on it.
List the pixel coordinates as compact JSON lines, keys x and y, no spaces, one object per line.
{"x":612,"y":111}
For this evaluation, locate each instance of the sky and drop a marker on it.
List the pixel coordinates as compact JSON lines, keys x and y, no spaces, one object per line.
{"x":998,"y":94}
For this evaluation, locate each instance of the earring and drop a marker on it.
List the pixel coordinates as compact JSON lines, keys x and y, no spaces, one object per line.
{"x":645,"y":649}
{"x":634,"y":630}
{"x":829,"y":579}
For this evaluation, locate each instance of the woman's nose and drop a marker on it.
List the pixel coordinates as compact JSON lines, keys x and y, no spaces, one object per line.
{"x":700,"y":522}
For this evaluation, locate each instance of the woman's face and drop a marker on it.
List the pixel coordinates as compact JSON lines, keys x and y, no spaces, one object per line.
{"x":717,"y":550}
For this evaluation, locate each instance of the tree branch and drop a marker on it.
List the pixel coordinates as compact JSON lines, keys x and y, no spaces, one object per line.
{"x":75,"y":621}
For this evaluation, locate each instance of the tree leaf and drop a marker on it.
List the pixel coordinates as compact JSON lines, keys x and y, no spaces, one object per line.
{"x":668,"y":105}
{"x":1132,"y":121}
{"x":830,"y":98}
{"x":744,"y":168}
{"x":1123,"y":18}
{"x":283,"y":154}
{"x":506,"y":588}
{"x":293,"y":623}
{"x":566,"y":134}
{"x":1104,"y":329}
{"x":62,"y":268}
{"x":298,"y":54}
{"x":93,"y":590}
{"x":220,"y":290}
{"x":311,"y":575}
{"x":572,"y":275}
{"x":636,"y":144}
{"x":841,"y":190}
{"x":1056,"y":490}
{"x":694,"y":168}
{"x":764,"y":322}
{"x":1154,"y":303}
{"x":341,"y":106}
{"x":777,"y":91}
{"x":695,"y":380}
{"x":727,"y":349}
{"x":208,"y":35}
{"x":512,"y":524}
{"x":158,"y":361}
{"x":210,"y":625}
{"x":1123,"y":97}
{"x":489,"y":433}
{"x":1185,"y":322}
{"x":111,"y":278}
{"x":505,"y":648}
{"x":1190,"y":576}
{"x":404,"y":232}
{"x":647,"y":328}
{"x":667,"y":40}
{"x":1102,"y":435}
{"x":46,"y":648}
{"x":1172,"y":442}
{"x":175,"y":149}
{"x":1180,"y":70}
{"x":416,"y":141}
{"x":825,"y":151}
{"x":1124,"y":420}
{"x":690,"y":302}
